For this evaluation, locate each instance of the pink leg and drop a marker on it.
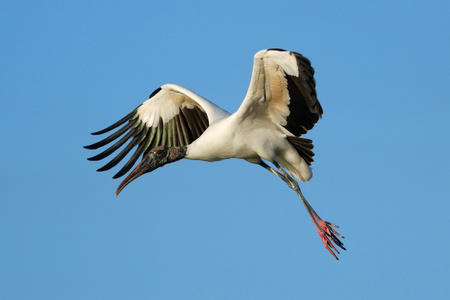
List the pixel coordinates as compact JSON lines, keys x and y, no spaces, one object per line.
{"x":328,"y":235}
{"x":324,"y":228}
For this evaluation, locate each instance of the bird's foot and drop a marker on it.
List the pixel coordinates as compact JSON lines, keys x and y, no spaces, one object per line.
{"x":329,"y":236}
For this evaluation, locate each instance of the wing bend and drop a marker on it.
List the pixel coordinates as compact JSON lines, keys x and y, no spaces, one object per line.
{"x":172,"y":116}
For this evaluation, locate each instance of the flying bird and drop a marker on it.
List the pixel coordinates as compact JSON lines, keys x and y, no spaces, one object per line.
{"x":280,"y":106}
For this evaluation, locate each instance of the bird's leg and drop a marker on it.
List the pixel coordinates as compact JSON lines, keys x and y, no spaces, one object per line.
{"x":326,"y":232}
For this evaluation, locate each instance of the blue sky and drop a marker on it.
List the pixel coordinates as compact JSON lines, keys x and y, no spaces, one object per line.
{"x":224,"y":230}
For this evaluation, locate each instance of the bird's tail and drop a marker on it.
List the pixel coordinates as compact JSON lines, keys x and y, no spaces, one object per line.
{"x":299,"y":165}
{"x":301,"y":171}
{"x":304,"y":148}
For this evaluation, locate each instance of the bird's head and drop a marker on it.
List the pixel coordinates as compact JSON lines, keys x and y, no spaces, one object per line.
{"x":152,"y":160}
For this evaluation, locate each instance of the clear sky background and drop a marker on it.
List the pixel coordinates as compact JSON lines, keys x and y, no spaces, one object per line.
{"x":224,"y":230}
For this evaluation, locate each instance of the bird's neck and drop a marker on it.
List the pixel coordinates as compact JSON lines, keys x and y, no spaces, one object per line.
{"x":176,"y":153}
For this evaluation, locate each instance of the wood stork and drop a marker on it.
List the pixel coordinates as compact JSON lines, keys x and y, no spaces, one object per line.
{"x":174,"y":123}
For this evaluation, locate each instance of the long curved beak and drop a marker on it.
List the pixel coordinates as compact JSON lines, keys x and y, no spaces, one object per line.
{"x":145,"y":166}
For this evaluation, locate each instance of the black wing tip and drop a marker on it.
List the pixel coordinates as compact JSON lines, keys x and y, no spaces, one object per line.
{"x":98,"y":132}
{"x":97,"y":157}
{"x":277,"y":49}
{"x":118,"y":175}
{"x":155,"y":92}
{"x":104,"y":168}
{"x":131,"y":116}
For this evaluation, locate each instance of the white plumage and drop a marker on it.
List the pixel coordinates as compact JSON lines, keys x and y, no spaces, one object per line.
{"x":280,"y":105}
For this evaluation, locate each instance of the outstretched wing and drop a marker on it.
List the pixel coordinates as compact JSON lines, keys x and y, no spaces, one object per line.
{"x":282,"y":88}
{"x":172,"y":116}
